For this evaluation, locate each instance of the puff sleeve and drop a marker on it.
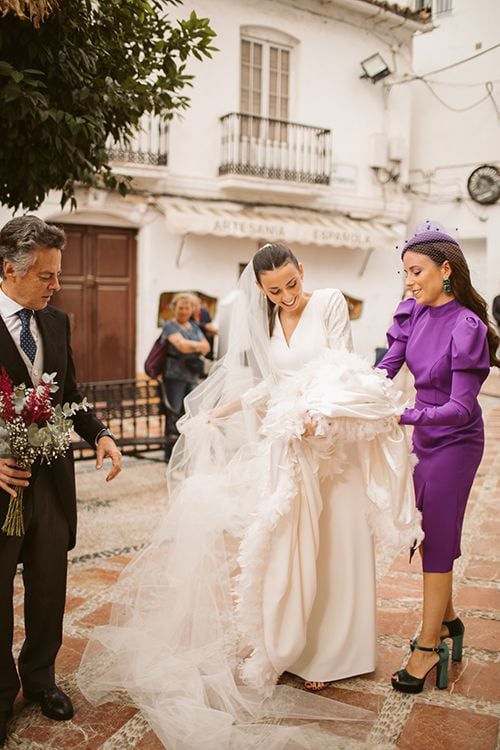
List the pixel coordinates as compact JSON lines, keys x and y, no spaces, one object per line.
{"x":469,"y":346}
{"x":397,"y":337}
{"x":470,"y":363}
{"x":337,"y":323}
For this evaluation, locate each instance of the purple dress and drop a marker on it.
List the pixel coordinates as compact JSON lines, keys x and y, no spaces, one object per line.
{"x":446,"y":349}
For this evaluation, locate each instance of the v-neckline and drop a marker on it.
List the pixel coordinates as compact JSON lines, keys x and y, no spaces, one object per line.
{"x":289,"y":341}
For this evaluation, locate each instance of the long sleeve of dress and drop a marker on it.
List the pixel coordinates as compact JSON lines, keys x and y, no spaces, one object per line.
{"x":470,"y":366}
{"x":338,"y":325}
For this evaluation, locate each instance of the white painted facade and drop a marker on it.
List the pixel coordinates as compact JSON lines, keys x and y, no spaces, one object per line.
{"x":448,"y":145}
{"x":371,"y":130}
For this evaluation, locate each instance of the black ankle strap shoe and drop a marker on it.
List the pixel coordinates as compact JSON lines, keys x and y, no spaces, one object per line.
{"x":405,"y":682}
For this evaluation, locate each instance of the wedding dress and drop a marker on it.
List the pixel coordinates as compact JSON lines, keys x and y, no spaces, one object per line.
{"x":263,"y":561}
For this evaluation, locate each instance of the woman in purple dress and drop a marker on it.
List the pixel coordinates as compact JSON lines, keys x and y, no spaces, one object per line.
{"x":444,"y":336}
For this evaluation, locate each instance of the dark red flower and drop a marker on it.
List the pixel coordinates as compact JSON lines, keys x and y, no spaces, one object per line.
{"x":38,"y":407}
{"x":7,"y":411}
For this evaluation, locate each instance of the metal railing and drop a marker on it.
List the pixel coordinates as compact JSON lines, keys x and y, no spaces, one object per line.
{"x":149,"y":145}
{"x":274,"y":149}
{"x":134,"y":410}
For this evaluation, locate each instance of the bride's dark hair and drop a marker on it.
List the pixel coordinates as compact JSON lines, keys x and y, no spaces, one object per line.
{"x":268,"y":258}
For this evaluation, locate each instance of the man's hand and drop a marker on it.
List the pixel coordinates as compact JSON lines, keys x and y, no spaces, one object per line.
{"x":107,"y":448}
{"x":11,"y":476}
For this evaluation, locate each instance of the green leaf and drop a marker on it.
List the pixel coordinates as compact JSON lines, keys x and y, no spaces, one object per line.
{"x":90,"y":70}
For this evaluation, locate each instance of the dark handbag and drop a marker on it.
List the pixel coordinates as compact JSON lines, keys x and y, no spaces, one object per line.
{"x":155,"y":361}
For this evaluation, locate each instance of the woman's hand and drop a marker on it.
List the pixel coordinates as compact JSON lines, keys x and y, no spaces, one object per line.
{"x":189,"y":346}
{"x":309,"y":427}
{"x":225,"y":410}
{"x":202,"y":346}
{"x":12,"y":477}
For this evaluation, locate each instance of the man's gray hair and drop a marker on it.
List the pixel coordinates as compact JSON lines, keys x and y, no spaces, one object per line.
{"x":21,"y":237}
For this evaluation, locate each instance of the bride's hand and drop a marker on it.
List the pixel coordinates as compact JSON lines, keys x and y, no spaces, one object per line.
{"x":309,"y":427}
{"x":224,"y":410}
{"x":213,"y":416}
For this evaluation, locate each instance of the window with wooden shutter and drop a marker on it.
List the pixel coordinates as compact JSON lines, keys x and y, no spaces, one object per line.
{"x":264,"y":90}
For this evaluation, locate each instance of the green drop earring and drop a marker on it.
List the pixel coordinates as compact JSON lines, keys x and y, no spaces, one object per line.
{"x":447,"y":286}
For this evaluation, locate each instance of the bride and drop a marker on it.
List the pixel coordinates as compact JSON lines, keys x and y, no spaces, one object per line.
{"x":290,"y":458}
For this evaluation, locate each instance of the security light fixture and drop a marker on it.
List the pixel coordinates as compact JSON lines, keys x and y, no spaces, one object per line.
{"x":375,"y":68}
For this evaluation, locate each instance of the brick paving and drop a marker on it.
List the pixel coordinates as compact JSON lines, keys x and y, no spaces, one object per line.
{"x":463,"y":717}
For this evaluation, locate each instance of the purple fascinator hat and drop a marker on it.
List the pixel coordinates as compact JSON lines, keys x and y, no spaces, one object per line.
{"x":431,"y":239}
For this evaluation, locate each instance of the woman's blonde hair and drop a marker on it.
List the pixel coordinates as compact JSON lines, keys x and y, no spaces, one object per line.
{"x":182,"y":297}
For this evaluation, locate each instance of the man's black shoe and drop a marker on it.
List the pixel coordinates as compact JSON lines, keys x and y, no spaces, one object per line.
{"x":54,"y":703}
{"x":4,"y":718}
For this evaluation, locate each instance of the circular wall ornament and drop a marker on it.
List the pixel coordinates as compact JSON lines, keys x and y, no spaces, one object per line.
{"x":483,"y":184}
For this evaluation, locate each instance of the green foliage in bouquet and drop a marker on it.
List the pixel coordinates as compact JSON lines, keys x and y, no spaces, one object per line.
{"x":32,"y":428}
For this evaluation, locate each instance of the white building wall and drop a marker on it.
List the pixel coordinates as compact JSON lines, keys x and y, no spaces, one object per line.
{"x":447,"y":145}
{"x":211,"y":264}
{"x":326,"y":91}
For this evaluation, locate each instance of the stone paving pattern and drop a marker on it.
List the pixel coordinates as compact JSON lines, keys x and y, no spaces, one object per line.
{"x":116,"y":519}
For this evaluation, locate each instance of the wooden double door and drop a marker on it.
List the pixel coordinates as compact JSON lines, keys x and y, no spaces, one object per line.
{"x":98,"y":291}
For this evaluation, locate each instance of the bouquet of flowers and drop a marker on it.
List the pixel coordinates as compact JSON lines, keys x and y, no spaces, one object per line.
{"x":30,"y":428}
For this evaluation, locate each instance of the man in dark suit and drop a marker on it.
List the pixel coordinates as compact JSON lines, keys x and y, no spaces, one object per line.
{"x":35,"y":338}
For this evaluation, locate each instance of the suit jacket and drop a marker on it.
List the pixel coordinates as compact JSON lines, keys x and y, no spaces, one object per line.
{"x":55,"y":331}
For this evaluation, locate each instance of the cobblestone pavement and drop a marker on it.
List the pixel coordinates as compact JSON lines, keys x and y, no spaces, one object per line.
{"x":116,"y":519}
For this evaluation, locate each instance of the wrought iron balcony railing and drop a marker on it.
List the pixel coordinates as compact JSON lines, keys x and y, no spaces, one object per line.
{"x":149,"y":145}
{"x":274,"y":149}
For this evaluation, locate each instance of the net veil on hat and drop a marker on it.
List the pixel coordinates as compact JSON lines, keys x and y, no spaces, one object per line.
{"x":429,"y":235}
{"x":432,"y":240}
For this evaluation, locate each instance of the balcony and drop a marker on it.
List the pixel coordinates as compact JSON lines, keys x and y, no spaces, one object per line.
{"x":149,"y":145}
{"x":274,"y":150}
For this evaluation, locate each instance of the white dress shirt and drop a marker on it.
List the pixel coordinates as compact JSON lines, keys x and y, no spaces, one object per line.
{"x":8,"y":310}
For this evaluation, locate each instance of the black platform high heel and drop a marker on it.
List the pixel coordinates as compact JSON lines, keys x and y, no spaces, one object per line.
{"x":405,"y":682}
{"x":456,"y":630}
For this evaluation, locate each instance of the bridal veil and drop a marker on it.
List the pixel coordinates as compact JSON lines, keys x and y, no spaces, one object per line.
{"x":184,"y":640}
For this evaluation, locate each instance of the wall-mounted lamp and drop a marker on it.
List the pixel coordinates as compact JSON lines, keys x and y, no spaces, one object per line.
{"x":375,"y":68}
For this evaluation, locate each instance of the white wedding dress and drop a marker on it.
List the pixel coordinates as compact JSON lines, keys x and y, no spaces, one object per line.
{"x":319,"y":586}
{"x":263,"y":562}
